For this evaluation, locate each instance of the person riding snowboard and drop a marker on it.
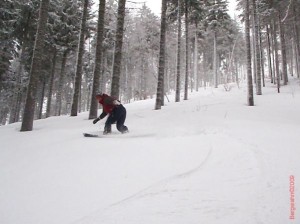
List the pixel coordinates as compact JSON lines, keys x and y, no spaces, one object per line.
{"x":116,"y":111}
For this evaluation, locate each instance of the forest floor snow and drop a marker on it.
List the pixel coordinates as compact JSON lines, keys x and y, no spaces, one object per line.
{"x":211,"y":159}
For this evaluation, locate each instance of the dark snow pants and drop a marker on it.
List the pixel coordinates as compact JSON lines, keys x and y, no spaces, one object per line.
{"x":118,"y":116}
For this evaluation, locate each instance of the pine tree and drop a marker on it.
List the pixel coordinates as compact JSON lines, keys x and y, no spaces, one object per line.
{"x":17,"y":35}
{"x":51,"y":83}
{"x":7,"y":47}
{"x":178,"y":83}
{"x":216,"y":18}
{"x":296,"y":32}
{"x":28,"y":116}
{"x":98,"y":60}
{"x":78,"y":75}
{"x":141,"y":47}
{"x":282,"y":48}
{"x":161,"y":66}
{"x":115,"y":84}
{"x":257,"y":49}
{"x":64,"y":27}
{"x":186,"y":84}
{"x":250,"y":98}
{"x":196,"y":11}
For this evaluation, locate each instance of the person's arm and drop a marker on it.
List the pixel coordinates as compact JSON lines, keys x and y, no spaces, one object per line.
{"x":103,"y":115}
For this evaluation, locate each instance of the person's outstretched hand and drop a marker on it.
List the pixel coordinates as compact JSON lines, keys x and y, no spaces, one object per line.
{"x":96,"y":120}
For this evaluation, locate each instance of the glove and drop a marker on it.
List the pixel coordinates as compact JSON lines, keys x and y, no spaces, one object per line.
{"x":96,"y":120}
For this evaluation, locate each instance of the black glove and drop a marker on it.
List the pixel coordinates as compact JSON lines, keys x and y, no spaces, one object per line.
{"x":96,"y":120}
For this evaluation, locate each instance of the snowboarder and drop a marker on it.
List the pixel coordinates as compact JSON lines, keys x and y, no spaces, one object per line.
{"x":116,"y":111}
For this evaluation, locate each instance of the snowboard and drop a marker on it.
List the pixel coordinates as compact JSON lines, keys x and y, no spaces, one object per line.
{"x":90,"y":135}
{"x":103,"y":136}
{"x":119,"y":135}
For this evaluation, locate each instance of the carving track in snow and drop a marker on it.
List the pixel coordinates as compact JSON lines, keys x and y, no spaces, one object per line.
{"x":96,"y":215}
{"x":166,"y":180}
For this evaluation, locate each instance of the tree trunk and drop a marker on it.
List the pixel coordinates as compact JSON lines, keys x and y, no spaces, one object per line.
{"x":3,"y":115}
{"x":143,"y":77}
{"x":296,"y":39}
{"x":186,"y":84}
{"x":283,"y":50}
{"x":15,"y":110}
{"x":51,"y":82}
{"x":98,"y":60}
{"x":103,"y":76}
{"x":61,"y":83}
{"x":161,"y":65}
{"x":78,"y":76}
{"x":274,"y":33}
{"x":28,"y":116}
{"x":269,"y":54}
{"x":41,"y":103}
{"x":177,"y":97}
{"x":253,"y":49}
{"x":257,"y":49}
{"x":215,"y":61}
{"x":291,"y":67}
{"x":250,"y":98}
{"x":19,"y":103}
{"x":262,"y":60}
{"x":204,"y":71}
{"x":196,"y":60}
{"x":115,"y":84}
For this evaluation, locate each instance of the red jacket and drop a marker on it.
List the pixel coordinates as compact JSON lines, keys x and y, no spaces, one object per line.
{"x":108,"y":104}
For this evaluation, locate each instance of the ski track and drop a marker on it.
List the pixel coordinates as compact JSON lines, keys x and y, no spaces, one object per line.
{"x":211,"y":207}
{"x":166,"y":180}
{"x":144,"y":191}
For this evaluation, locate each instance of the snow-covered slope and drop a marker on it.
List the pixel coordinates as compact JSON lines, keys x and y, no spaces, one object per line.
{"x":210,"y":159}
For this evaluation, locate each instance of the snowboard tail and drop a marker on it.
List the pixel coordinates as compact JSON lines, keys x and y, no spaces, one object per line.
{"x":90,"y":135}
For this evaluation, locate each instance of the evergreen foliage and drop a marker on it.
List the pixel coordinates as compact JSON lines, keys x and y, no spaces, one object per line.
{"x":213,"y":44}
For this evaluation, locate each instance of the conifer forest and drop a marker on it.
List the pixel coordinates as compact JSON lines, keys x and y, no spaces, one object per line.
{"x":56,"y":55}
